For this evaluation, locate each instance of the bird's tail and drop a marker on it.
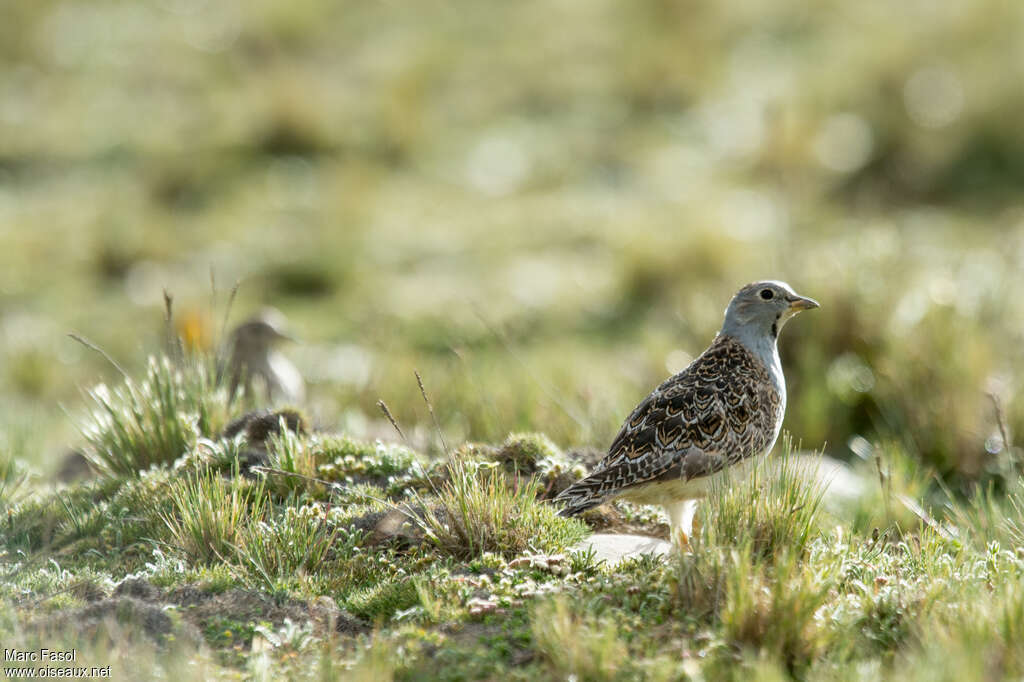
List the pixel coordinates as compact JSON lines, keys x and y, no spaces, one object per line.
{"x":579,"y":497}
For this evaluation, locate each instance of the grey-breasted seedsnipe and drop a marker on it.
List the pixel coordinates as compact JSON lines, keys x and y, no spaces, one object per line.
{"x":725,"y":408}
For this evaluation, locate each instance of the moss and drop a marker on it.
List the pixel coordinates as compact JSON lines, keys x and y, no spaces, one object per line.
{"x":526,"y":450}
{"x":347,"y":459}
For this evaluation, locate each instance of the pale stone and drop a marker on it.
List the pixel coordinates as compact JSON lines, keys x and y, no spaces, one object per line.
{"x":613,"y":548}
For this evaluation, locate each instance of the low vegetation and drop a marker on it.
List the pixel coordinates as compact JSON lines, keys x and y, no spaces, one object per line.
{"x":333,"y":558}
{"x":480,"y":510}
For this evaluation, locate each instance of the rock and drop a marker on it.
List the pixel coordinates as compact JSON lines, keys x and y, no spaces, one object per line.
{"x":839,"y":479}
{"x":614,"y":548}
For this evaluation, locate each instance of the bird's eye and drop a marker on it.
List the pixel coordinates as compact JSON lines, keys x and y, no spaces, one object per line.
{"x":767,"y":294}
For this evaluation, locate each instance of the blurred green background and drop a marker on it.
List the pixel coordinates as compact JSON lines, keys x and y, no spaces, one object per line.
{"x":542,"y":206}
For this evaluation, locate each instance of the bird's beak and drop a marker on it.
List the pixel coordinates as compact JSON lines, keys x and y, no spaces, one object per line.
{"x":798,"y":303}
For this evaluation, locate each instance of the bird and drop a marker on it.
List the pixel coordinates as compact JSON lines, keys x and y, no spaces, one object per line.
{"x":725,"y":408}
{"x":257,"y":429}
{"x":253,"y":357}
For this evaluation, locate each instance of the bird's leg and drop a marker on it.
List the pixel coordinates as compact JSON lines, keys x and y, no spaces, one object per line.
{"x":680,"y":520}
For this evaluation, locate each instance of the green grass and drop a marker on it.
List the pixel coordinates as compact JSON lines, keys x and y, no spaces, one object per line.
{"x":543,"y":255}
{"x":299,"y":541}
{"x":156,"y":420}
{"x":12,"y":481}
{"x":480,"y":510}
{"x":209,"y":514}
{"x":773,"y":509}
{"x":578,"y":646}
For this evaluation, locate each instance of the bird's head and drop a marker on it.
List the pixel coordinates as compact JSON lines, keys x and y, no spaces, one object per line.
{"x":261,"y":331}
{"x":763,"y":307}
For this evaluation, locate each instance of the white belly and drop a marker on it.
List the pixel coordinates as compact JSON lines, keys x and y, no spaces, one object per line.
{"x":666,"y":492}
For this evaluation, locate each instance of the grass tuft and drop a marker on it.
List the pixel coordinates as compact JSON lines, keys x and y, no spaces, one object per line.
{"x":350,"y":460}
{"x":577,"y":646}
{"x":774,"y":508}
{"x":772,"y":608}
{"x":983,"y":638}
{"x":988,"y":516}
{"x":524,"y":452}
{"x":698,"y":582}
{"x":481,"y":510}
{"x":12,"y":482}
{"x":290,"y":452}
{"x":299,"y":541}
{"x":209,"y":514}
{"x":153,"y":421}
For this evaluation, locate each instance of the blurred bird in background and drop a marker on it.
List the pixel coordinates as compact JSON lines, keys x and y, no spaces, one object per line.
{"x":254,"y":363}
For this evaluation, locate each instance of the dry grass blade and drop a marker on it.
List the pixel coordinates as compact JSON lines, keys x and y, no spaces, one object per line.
{"x":222,"y":343}
{"x":92,"y":346}
{"x":172,"y":341}
{"x":430,"y":408}
{"x":387,"y":413}
{"x":1011,"y":459}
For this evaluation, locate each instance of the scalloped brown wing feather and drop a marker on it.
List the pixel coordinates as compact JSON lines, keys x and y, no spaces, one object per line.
{"x":721,"y":409}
